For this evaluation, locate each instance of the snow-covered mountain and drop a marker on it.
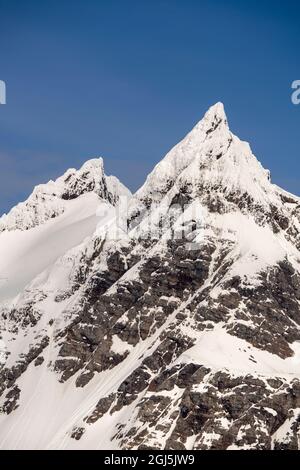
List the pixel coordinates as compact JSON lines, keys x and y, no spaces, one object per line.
{"x":165,"y":320}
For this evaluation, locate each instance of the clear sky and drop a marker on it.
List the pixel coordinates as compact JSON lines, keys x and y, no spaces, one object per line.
{"x":126,"y":79}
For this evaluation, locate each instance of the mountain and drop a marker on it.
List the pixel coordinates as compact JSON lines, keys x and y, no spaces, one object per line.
{"x":169,"y":319}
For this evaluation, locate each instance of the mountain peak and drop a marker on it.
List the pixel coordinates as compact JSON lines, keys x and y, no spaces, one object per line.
{"x":216,"y":110}
{"x":193,"y":310}
{"x":211,"y":163}
{"x":210,"y":134}
{"x":51,"y":199}
{"x":96,"y":163}
{"x":213,"y":119}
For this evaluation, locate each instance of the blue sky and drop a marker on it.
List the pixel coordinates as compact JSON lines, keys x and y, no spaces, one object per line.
{"x":126,"y":79}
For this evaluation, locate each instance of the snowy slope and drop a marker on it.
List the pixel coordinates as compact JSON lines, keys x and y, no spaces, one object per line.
{"x":181,"y":332}
{"x":25,"y":254}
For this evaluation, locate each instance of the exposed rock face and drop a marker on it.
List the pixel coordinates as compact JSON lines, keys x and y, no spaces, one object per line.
{"x":181,"y":332}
